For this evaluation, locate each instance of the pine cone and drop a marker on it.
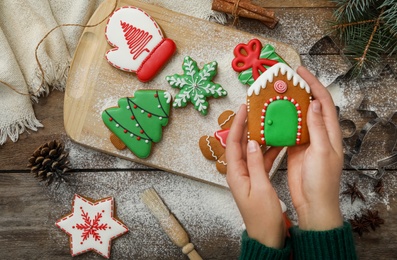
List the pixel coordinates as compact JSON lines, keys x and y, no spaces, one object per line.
{"x":50,"y":162}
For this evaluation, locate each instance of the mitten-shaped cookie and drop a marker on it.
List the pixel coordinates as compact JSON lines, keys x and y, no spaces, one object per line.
{"x":138,"y":43}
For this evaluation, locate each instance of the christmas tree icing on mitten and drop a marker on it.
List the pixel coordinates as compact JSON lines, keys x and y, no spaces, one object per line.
{"x":138,"y":43}
{"x":137,"y":121}
{"x":196,"y":85}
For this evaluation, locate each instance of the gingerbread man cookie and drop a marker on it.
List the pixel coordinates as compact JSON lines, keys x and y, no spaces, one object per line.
{"x":138,"y":43}
{"x":213,"y":147}
{"x":277,"y":104}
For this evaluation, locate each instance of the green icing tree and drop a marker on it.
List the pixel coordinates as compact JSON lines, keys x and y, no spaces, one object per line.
{"x":137,"y":122}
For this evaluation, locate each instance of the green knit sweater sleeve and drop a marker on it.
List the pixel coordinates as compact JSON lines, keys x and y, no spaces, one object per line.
{"x":337,"y":243}
{"x":252,"y":249}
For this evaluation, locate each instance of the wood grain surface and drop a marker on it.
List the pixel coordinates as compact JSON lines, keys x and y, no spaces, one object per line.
{"x":28,"y":209}
{"x":293,"y":3}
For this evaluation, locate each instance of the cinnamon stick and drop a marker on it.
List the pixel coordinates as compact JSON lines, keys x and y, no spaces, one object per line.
{"x":244,"y":8}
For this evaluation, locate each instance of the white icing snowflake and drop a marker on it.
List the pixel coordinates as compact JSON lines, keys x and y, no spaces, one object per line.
{"x":196,"y":85}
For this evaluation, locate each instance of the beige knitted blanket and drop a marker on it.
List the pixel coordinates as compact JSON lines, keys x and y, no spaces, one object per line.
{"x":23,"y":24}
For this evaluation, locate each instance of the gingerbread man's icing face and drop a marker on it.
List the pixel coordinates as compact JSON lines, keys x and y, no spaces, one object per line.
{"x":277,"y":105}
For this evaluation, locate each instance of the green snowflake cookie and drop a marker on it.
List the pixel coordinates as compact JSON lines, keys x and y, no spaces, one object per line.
{"x":196,"y":85}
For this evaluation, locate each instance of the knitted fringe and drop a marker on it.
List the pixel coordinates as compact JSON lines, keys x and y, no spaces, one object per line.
{"x":55,"y":76}
{"x":217,"y":17}
{"x":13,"y":131}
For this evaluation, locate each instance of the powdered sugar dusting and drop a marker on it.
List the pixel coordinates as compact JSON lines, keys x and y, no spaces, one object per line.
{"x":200,"y":9}
{"x":365,"y":184}
{"x":206,"y":211}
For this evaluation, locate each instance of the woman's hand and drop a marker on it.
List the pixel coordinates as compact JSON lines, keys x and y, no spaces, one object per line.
{"x":248,"y":179}
{"x":314,"y":170}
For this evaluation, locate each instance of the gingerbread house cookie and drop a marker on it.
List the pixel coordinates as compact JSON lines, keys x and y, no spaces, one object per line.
{"x":277,"y":105}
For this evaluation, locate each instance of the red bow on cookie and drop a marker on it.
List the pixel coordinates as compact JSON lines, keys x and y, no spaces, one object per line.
{"x":248,"y":56}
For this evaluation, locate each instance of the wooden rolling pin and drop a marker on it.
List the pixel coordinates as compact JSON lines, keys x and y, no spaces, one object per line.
{"x":169,"y":223}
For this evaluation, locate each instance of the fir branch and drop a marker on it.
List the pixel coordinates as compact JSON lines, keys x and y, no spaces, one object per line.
{"x":390,"y":22}
{"x":344,"y":25}
{"x":362,"y":59}
{"x":352,"y":9}
{"x":367,"y":29}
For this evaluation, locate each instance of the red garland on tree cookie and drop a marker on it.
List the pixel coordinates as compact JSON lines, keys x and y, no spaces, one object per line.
{"x":91,"y":226}
{"x":138,"y":43}
{"x":138,"y":121}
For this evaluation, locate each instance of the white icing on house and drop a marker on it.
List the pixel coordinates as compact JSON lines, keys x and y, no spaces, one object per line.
{"x":271,"y":73}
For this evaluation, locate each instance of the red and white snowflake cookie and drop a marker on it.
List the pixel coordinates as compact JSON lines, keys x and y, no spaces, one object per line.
{"x":91,"y":226}
{"x":139,"y":45}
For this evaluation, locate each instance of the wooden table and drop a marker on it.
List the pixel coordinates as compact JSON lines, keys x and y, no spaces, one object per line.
{"x":28,"y":209}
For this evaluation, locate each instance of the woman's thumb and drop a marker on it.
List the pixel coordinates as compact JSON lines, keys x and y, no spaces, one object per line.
{"x":315,"y":122}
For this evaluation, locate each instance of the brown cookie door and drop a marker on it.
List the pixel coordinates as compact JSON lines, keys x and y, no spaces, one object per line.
{"x":281,"y":123}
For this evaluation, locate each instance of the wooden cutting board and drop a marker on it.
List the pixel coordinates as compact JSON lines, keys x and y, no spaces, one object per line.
{"x":93,"y":85}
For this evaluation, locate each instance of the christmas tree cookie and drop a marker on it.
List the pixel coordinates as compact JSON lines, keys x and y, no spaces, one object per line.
{"x":138,"y":43}
{"x":196,"y":85}
{"x":137,"y":122}
{"x":91,"y":226}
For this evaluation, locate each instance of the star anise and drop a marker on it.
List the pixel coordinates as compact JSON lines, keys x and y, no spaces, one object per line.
{"x":354,"y":192}
{"x":373,"y":219}
{"x":378,"y":188}
{"x":359,"y":225}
